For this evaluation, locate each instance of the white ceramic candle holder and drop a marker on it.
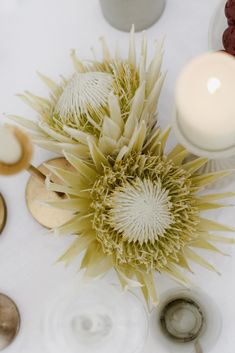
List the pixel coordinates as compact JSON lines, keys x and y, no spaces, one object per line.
{"x":218,"y":160}
{"x":121,"y":14}
{"x":220,"y":155}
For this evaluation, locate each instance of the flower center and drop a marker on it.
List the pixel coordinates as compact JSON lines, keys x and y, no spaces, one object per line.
{"x":141,"y":210}
{"x":89,"y":90}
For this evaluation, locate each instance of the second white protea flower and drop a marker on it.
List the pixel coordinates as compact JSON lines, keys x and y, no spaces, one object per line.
{"x":140,"y":212}
{"x":105,"y":100}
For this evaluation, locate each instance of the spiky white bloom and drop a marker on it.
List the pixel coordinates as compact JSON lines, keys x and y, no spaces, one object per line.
{"x":141,"y":210}
{"x":102,"y":189}
{"x":84,"y":90}
{"x":127,"y":93}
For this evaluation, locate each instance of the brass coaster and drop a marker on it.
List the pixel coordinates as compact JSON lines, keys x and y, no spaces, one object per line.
{"x":9,"y":321}
{"x":36,"y":192}
{"x":3,"y":213}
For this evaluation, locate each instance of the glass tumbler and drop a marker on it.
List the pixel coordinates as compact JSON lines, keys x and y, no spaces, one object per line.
{"x":93,"y":318}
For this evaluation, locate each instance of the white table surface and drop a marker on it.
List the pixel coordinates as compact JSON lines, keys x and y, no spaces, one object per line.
{"x":38,"y":35}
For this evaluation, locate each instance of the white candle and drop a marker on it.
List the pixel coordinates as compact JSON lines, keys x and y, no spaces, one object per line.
{"x":10,"y":148}
{"x":205,"y":102}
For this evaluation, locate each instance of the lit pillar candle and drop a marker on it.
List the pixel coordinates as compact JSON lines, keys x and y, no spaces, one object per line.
{"x":10,"y":148}
{"x":205,"y":104}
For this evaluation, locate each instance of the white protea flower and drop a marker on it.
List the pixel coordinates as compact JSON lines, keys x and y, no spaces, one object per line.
{"x":105,"y":100}
{"x":85,"y":90}
{"x":140,"y":212}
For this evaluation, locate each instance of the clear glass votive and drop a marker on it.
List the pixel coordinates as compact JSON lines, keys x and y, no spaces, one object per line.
{"x":94,"y":318}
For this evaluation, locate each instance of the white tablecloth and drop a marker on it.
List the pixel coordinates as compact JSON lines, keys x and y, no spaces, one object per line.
{"x":38,"y":35}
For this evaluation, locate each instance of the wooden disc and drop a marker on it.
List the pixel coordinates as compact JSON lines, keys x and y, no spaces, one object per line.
{"x":9,"y":321}
{"x":36,"y":193}
{"x":3,"y":213}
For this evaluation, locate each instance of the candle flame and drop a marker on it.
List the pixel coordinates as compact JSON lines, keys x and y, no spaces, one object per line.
{"x":213,"y":85}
